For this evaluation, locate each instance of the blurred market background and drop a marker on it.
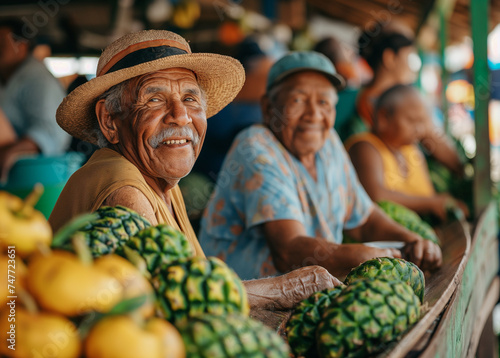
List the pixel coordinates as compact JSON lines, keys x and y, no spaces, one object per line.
{"x":70,"y":34}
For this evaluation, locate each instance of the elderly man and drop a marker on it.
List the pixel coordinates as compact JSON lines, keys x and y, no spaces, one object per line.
{"x":147,"y":109}
{"x":287,"y":189}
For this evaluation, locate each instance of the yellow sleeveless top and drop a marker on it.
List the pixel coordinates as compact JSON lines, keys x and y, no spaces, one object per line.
{"x":415,"y":183}
{"x":105,"y":172}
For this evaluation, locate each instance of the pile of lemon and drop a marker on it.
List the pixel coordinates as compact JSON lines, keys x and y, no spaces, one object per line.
{"x":58,"y":304}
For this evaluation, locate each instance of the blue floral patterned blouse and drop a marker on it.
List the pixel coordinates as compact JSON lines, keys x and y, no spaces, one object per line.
{"x":261,"y":181}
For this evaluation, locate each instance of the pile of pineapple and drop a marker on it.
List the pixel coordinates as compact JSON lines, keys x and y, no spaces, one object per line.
{"x":380,"y":301}
{"x":111,"y":285}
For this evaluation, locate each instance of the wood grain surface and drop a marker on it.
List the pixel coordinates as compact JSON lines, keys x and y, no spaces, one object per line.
{"x":458,"y":332}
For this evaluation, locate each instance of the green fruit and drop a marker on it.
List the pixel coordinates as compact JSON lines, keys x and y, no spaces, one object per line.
{"x":114,"y":226}
{"x":209,"y":336}
{"x":301,"y":327}
{"x":159,"y":245}
{"x":440,"y":176}
{"x":390,"y":268}
{"x":409,"y":219}
{"x":191,"y":287}
{"x":367,"y":315}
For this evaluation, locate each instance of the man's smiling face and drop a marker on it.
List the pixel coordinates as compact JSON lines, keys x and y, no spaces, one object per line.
{"x":164,"y":125}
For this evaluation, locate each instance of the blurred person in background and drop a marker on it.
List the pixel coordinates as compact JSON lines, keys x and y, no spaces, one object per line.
{"x":29,"y":97}
{"x":7,"y":134}
{"x":388,"y":161}
{"x":343,"y":58}
{"x":394,"y":60}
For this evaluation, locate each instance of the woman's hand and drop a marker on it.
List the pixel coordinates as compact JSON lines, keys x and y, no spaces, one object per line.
{"x":361,"y":253}
{"x":441,"y":203}
{"x":423,"y":253}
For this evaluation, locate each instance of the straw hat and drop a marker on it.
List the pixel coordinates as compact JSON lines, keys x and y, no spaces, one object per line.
{"x":221,"y":77}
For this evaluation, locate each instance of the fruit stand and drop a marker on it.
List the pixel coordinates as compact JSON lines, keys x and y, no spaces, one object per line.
{"x":126,"y":288}
{"x":458,"y":300}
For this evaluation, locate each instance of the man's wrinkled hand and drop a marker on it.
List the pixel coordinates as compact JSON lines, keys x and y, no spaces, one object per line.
{"x":286,"y":291}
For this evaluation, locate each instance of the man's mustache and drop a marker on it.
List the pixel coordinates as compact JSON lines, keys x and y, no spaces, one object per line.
{"x":171,"y":132}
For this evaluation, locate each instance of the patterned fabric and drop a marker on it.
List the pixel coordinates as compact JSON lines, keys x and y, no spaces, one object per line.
{"x":261,"y":181}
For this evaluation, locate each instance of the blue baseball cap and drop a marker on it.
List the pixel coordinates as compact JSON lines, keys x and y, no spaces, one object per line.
{"x":304,"y":61}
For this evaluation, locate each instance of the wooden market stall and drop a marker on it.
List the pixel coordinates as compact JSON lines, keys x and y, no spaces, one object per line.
{"x":460,"y":296}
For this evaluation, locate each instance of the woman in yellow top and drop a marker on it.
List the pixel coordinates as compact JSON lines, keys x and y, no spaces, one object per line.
{"x":389,"y":163}
{"x":390,"y":52}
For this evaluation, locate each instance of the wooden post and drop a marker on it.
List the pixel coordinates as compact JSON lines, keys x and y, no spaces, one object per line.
{"x":482,"y":179}
{"x":443,"y":37}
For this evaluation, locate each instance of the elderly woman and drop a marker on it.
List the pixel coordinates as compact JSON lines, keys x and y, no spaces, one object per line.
{"x":147,"y":109}
{"x":287,"y":189}
{"x":389,"y":164}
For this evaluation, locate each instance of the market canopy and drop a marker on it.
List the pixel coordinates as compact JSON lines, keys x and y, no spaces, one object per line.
{"x":102,"y":17}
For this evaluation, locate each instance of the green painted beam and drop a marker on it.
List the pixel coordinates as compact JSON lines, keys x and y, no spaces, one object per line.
{"x":482,"y":170}
{"x":443,"y":37}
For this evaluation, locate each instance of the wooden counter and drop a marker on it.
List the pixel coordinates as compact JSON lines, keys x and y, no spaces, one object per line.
{"x":460,"y":327}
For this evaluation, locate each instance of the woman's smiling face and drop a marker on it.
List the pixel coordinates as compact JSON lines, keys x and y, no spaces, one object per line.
{"x":305,"y":104}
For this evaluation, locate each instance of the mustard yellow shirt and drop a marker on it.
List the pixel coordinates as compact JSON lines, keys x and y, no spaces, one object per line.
{"x":105,"y":172}
{"x":416,"y":182}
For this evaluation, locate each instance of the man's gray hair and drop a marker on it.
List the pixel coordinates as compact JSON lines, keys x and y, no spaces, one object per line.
{"x":113,"y":104}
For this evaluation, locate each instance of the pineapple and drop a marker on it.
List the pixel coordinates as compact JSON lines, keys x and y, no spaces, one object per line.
{"x":208,"y":336}
{"x":159,"y":245}
{"x":111,"y":230}
{"x":409,"y":219}
{"x":301,"y":328}
{"x":390,"y":268}
{"x":365,"y":316}
{"x":190,"y":287}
